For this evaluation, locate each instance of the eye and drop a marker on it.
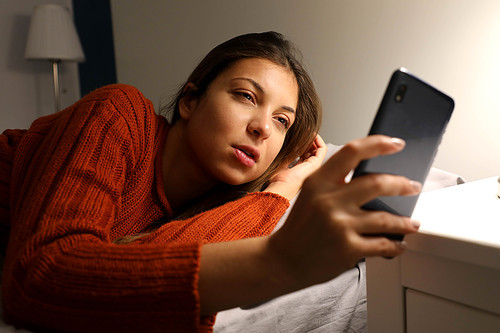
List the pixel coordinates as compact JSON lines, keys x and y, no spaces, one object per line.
{"x":246,"y":95}
{"x":284,"y":121}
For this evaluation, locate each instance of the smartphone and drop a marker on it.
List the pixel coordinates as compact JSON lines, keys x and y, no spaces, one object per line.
{"x":418,"y":113}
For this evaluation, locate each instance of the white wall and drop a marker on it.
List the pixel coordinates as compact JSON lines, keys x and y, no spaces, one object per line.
{"x":26,"y":87}
{"x":350,"y":49}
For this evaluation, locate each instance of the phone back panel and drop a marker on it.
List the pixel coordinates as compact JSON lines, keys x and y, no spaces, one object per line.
{"x":418,"y":113}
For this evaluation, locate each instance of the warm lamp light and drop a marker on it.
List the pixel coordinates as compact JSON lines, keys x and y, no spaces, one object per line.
{"x":52,"y":36}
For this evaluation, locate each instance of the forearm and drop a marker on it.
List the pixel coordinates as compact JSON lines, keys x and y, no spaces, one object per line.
{"x":103,"y":287}
{"x":242,"y":272}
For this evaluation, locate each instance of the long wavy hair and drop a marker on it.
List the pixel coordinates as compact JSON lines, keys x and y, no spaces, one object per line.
{"x":275,"y":48}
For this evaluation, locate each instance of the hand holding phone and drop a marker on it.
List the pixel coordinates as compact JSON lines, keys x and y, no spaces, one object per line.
{"x":418,"y":113}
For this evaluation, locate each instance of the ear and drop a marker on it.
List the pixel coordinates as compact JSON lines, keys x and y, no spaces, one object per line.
{"x":188,"y":101}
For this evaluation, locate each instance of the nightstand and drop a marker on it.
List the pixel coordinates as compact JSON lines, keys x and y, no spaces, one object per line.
{"x":448,"y":280}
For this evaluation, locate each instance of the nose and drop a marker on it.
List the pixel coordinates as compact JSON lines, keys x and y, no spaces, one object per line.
{"x":260,"y":126}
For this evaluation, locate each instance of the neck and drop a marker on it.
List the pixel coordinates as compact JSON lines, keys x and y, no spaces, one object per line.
{"x":183,"y":178}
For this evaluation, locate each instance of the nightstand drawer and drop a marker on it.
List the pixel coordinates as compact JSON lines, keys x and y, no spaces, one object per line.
{"x":426,"y":313}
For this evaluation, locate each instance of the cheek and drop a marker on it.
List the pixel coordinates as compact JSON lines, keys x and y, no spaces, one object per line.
{"x":218,"y":117}
{"x":273,"y":150}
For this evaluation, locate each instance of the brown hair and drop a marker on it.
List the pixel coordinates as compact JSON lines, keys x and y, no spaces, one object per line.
{"x":267,"y":45}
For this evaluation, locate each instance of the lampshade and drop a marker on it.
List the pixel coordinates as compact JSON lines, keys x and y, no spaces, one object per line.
{"x":52,"y":35}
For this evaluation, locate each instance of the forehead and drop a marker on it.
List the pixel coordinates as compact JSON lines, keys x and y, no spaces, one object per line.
{"x":257,"y":65}
{"x":273,"y":78}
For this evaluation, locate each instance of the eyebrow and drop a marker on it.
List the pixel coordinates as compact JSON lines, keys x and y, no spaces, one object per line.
{"x":259,"y":88}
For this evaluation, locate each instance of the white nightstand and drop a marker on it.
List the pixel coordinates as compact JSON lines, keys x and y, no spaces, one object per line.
{"x":449,"y":278}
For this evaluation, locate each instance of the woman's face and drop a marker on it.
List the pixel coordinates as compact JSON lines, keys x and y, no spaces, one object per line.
{"x":236,"y":129}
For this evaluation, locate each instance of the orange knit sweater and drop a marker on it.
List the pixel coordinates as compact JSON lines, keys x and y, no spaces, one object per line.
{"x":77,"y":180}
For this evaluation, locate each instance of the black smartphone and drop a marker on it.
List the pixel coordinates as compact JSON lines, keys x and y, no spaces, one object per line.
{"x":418,"y":113}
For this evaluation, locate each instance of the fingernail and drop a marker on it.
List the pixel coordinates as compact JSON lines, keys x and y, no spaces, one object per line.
{"x":417,"y":186}
{"x":398,"y":142}
{"x":401,"y":244}
{"x":415,"y":224}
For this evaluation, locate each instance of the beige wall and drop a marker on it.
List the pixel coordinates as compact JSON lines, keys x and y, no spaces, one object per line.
{"x":350,"y":49}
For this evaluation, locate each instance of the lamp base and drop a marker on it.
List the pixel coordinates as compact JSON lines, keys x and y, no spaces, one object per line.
{"x":55,"y":72}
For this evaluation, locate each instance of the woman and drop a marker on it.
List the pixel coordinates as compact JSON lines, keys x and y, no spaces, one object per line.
{"x":121,"y":221}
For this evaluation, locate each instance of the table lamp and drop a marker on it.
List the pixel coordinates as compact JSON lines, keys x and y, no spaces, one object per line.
{"x":52,"y":36}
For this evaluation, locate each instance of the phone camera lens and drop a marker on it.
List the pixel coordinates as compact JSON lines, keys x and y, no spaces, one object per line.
{"x":400,"y":94}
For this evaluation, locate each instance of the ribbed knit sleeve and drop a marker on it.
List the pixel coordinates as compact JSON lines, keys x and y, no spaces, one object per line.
{"x":80,"y":179}
{"x":251,"y":216}
{"x":71,"y":174}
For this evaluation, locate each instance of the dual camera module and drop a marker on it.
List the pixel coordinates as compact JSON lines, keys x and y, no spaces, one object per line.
{"x":400,"y":93}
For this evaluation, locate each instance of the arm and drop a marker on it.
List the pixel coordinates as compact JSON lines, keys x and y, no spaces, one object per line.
{"x":326,"y":233}
{"x":62,"y":271}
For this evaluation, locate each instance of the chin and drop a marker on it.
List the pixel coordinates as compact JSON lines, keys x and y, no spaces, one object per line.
{"x":235,"y":181}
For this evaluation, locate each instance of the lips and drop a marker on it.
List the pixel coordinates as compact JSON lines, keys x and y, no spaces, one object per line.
{"x":247,"y":155}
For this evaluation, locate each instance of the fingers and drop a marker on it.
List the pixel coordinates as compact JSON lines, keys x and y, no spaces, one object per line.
{"x":370,"y":228}
{"x":339,"y":214}
{"x":380,"y":222}
{"x":317,"y":149}
{"x":376,"y":244}
{"x":368,"y":187}
{"x":380,"y":246}
{"x":351,"y":154}
{"x":319,"y":142}
{"x":315,"y":154}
